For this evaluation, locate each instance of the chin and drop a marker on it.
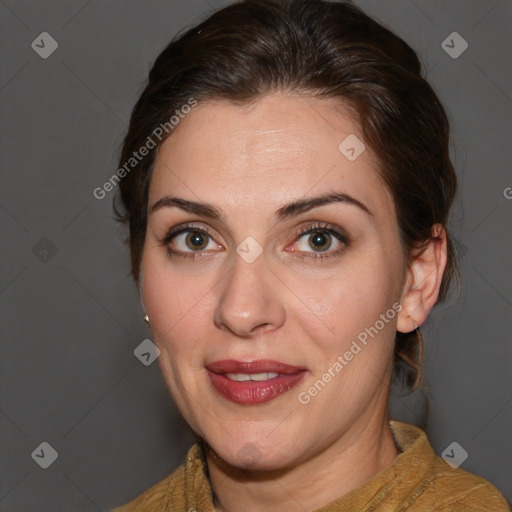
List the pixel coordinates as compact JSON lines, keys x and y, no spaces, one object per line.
{"x":253,"y":453}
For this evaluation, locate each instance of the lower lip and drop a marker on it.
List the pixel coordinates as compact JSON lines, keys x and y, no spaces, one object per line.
{"x":254,"y":392}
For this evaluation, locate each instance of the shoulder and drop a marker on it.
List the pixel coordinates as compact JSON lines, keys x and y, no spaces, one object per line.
{"x":170,"y":488}
{"x":428,"y":482}
{"x":186,"y":486}
{"x":456,"y":490}
{"x":157,"y":497}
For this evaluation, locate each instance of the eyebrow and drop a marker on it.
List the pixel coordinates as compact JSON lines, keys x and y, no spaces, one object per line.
{"x":289,"y":210}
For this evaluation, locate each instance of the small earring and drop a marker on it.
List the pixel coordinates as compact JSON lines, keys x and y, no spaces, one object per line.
{"x":146,"y":319}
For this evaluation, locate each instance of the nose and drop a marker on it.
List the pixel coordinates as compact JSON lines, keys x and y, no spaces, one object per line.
{"x":250,"y":299}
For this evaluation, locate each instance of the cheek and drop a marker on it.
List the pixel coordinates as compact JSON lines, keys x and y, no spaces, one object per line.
{"x":358,"y":309}
{"x":352,"y":298}
{"x":175,"y":302}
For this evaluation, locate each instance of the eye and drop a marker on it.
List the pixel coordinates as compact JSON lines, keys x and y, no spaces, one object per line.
{"x":320,"y":241}
{"x":189,"y":239}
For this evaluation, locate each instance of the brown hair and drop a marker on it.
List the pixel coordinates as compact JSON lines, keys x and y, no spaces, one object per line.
{"x":321,"y":49}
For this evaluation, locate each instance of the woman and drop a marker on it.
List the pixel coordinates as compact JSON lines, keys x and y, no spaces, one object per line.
{"x":287,"y":206}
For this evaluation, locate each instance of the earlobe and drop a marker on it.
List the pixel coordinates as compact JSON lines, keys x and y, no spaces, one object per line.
{"x":145,"y":317}
{"x":411,"y":314}
{"x":424,"y":278}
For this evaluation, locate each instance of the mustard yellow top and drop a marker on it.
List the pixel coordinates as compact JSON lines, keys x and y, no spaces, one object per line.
{"x":417,"y":481}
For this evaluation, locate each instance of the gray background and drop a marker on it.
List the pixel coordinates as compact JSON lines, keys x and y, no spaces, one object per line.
{"x":71,"y":319}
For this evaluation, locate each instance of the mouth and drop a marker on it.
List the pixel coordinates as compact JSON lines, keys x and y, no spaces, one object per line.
{"x":253,"y":382}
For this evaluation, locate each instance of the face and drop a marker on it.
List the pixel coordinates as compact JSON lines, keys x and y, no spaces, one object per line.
{"x":267,"y":252}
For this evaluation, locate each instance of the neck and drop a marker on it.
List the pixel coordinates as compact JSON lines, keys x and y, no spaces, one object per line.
{"x":362,"y":452}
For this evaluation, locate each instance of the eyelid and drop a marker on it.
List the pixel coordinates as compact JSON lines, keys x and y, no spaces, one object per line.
{"x":321,"y":227}
{"x":174,"y":232}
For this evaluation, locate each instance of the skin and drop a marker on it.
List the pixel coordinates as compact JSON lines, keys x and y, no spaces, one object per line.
{"x":249,"y":161}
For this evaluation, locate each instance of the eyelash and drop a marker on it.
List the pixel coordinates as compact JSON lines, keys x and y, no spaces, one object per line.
{"x":306,"y":230}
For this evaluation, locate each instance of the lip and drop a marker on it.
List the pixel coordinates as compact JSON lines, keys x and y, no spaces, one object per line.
{"x":257,"y":366}
{"x":253,"y":392}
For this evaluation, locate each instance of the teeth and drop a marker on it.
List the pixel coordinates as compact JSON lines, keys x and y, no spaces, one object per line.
{"x":241,"y":377}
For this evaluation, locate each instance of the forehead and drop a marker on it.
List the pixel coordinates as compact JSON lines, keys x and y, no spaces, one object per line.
{"x":276,"y":148}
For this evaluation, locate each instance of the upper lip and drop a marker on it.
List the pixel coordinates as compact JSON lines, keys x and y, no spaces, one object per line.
{"x":258,"y":366}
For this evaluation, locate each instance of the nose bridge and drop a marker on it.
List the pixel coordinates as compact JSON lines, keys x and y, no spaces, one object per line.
{"x":249,"y":299}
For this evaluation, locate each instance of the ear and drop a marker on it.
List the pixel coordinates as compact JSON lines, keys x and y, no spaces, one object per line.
{"x":423,"y":281}
{"x":141,"y":292}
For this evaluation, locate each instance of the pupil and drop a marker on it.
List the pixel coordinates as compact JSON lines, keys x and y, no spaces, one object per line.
{"x":320,"y":241}
{"x":196,"y":239}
